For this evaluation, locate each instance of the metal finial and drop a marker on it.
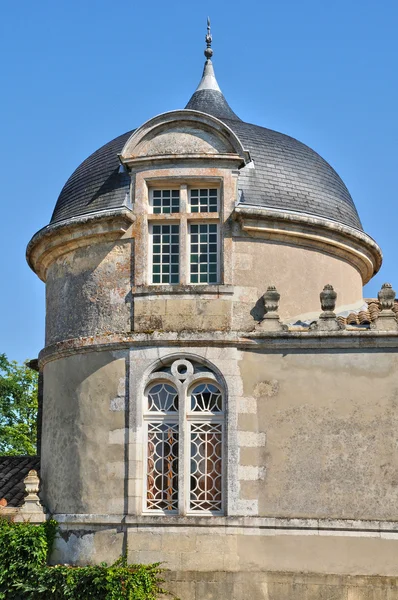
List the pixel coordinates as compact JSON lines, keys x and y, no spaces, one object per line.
{"x":208,"y":40}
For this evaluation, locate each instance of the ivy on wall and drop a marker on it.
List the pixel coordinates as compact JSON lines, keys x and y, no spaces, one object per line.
{"x":25,"y":575}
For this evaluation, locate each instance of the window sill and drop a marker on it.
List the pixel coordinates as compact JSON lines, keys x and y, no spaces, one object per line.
{"x":194,"y":289}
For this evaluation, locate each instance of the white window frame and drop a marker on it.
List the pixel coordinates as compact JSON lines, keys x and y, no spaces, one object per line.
{"x":218,"y":271}
{"x":185,"y":418}
{"x":185,"y":218}
{"x":163,"y":189}
{"x":203,"y":187}
{"x":150,"y":249}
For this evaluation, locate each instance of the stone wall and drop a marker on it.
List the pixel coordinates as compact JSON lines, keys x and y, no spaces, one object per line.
{"x":279,"y":586}
{"x":310,"y":457}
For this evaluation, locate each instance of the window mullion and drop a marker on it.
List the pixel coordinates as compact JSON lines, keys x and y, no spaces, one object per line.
{"x":184,"y":253}
{"x":183,"y":451}
{"x":184,"y":265}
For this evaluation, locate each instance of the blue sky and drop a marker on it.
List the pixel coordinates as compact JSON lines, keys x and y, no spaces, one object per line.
{"x":76,"y":74}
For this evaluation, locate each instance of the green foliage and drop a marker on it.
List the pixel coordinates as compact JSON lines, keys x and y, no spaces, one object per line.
{"x":24,"y":574}
{"x":18,"y":408}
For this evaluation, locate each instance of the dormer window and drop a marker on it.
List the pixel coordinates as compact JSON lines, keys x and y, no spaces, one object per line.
{"x":184,"y":235}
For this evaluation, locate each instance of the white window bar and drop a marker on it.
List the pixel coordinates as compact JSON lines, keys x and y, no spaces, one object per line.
{"x":203,"y":200}
{"x":204,"y":252}
{"x":162,"y":469}
{"x":165,"y":253}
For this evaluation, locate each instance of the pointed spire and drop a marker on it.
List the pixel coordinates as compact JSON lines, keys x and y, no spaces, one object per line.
{"x":208,"y":81}
{"x":208,"y":96}
{"x":208,"y":40}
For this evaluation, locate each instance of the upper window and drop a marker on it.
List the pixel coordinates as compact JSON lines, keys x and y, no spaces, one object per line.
{"x":184,"y":235}
{"x":187,"y":477}
{"x":165,"y":201}
{"x":203,"y":200}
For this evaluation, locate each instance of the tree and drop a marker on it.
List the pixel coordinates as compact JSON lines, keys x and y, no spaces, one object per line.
{"x":18,"y":408}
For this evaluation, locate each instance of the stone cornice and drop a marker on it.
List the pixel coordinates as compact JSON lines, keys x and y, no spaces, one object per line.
{"x":158,"y":159}
{"x":292,"y":341}
{"x":350,"y":244}
{"x":59,"y":238}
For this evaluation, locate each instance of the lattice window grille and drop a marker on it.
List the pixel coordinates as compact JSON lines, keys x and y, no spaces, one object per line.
{"x":206,"y":397}
{"x":184,"y":474}
{"x":162,"y":397}
{"x":206,"y":467}
{"x":162,"y":467}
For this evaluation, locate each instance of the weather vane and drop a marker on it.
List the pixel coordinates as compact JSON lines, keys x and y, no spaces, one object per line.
{"x":208,"y":39}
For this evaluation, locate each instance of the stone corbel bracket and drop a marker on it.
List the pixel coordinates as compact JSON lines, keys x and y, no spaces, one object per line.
{"x":60,"y":238}
{"x":352,"y":245}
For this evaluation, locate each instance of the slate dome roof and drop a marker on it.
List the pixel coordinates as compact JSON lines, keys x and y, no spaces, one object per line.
{"x":287,"y":174}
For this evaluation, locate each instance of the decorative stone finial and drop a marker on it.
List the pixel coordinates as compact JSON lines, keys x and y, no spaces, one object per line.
{"x":271,"y":320}
{"x":31,"y":510}
{"x":386,"y":319}
{"x":208,"y":40}
{"x":328,"y":301}
{"x":327,"y":319}
{"x":386,"y":297}
{"x":271,"y":300}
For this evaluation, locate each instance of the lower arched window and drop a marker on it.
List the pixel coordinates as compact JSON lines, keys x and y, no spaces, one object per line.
{"x":184,"y":423}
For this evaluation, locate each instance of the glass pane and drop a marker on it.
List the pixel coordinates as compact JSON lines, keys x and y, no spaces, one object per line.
{"x":165,"y":254}
{"x":205,"y":252}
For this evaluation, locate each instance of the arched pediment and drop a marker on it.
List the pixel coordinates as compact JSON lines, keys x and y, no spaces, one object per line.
{"x":185,"y":134}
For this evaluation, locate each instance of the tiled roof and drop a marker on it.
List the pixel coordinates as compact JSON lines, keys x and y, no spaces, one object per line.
{"x":213,"y":103}
{"x":365,"y":317}
{"x":13,"y":470}
{"x":288,"y":175}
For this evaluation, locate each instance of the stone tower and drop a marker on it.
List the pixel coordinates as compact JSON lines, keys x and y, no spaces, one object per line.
{"x":197,"y":407}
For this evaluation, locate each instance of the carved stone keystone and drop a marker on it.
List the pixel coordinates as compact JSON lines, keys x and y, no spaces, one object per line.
{"x":327,"y":318}
{"x":271,"y":320}
{"x":386,"y":319}
{"x":31,"y":510}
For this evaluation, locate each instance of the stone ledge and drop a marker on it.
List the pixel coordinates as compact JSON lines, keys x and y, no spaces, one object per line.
{"x":271,"y":341}
{"x":273,"y":525}
{"x":167,"y":290}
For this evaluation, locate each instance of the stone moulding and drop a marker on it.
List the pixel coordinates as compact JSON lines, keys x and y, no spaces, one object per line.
{"x":60,"y":238}
{"x":223,"y":143}
{"x":352,"y":245}
{"x":183,"y":290}
{"x":272,"y":525}
{"x":272,"y":341}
